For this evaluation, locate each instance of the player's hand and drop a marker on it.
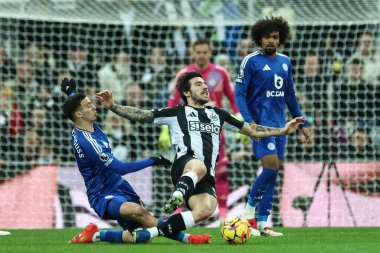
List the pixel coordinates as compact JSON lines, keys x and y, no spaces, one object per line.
{"x":306,"y":133}
{"x":254,"y":125}
{"x":68,"y":86}
{"x":164,"y":142}
{"x":292,"y":125}
{"x":106,"y":99}
{"x":160,"y":160}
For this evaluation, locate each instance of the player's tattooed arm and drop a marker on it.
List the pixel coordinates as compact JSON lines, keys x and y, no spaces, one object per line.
{"x":133,"y":113}
{"x":258,"y":131}
{"x":260,"y":128}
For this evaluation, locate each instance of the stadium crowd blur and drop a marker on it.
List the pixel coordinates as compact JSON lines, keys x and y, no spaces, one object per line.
{"x":336,"y":74}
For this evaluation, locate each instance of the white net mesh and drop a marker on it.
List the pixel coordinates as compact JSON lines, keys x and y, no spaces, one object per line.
{"x":135,"y":48}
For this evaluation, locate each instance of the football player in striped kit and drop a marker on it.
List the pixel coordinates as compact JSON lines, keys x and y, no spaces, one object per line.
{"x":219,"y":86}
{"x":195,"y":132}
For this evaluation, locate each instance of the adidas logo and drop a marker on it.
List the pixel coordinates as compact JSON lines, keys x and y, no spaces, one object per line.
{"x":266,"y":67}
{"x":192,"y":115}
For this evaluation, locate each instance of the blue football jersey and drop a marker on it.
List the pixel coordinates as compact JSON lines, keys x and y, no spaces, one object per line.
{"x":264,"y":86}
{"x":94,"y":155}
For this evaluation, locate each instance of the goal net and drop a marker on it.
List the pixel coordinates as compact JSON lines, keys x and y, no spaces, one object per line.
{"x":135,"y":48}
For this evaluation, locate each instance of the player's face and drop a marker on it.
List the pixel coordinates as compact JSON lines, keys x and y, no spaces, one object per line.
{"x":198,"y":92}
{"x":87,"y":111}
{"x":270,"y":43}
{"x":201,"y":55}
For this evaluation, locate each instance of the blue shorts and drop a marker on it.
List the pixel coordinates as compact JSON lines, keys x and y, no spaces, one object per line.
{"x":108,"y":205}
{"x":269,"y":146}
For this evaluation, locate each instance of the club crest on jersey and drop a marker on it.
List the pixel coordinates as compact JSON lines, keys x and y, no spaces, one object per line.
{"x":204,"y":127}
{"x":213,"y":116}
{"x":213,"y":79}
{"x":285,"y":67}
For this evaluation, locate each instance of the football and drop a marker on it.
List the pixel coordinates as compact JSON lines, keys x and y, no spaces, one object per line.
{"x":235,"y":230}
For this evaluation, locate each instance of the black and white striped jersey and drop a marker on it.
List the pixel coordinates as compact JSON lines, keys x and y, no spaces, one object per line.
{"x":196,"y":131}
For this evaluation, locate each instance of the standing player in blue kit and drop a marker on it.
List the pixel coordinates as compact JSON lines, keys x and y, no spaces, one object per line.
{"x":264,"y":86}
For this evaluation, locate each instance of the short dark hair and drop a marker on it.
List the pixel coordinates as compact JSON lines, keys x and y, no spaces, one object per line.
{"x":356,"y":61}
{"x":72,"y":105}
{"x":268,"y":25}
{"x":201,"y":42}
{"x":183,"y":83}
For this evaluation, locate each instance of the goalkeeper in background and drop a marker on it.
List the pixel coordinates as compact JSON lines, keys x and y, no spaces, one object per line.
{"x":219,"y":85}
{"x":109,"y":194}
{"x":264,"y":86}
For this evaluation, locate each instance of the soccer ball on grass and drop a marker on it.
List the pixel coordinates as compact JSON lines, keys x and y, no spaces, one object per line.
{"x":236,"y":230}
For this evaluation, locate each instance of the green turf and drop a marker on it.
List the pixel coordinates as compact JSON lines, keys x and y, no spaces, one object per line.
{"x":305,"y":240}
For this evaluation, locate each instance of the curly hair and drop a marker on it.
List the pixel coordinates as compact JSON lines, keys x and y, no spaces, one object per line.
{"x":183,"y":83}
{"x":267,"y":25}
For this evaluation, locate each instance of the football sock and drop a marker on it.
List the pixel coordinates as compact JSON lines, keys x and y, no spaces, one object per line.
{"x":176,"y":223}
{"x":250,"y":209}
{"x":260,"y":185}
{"x":111,"y":236}
{"x":181,"y":236}
{"x":262,"y":223}
{"x":186,"y":184}
{"x":266,"y":204}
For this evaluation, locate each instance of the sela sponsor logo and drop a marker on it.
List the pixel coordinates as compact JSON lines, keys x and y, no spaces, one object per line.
{"x":204,"y":127}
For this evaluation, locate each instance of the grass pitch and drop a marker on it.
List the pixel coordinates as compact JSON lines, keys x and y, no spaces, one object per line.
{"x":302,"y":240}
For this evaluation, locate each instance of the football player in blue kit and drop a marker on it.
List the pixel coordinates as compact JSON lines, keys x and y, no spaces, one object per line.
{"x":108,"y":193}
{"x":264,"y":86}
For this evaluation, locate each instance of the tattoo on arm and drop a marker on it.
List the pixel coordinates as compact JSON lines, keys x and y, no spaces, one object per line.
{"x":267,"y":130}
{"x":133,"y":113}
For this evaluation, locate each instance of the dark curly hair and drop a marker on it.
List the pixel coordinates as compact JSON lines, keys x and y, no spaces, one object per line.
{"x":183,"y":83}
{"x":267,"y":25}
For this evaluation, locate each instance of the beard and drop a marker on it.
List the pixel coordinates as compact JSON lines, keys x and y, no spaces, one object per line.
{"x":270,"y":51}
{"x":198,"y":99}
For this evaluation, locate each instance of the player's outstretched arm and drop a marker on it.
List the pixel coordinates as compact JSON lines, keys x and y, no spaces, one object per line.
{"x":258,"y":131}
{"x":128,"y":112}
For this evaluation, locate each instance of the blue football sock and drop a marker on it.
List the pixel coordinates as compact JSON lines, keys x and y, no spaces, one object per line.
{"x":111,"y":236}
{"x":266,"y":203}
{"x":260,"y":185}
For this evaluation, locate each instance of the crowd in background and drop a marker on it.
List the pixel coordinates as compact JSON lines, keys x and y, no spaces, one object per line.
{"x":337,"y":84}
